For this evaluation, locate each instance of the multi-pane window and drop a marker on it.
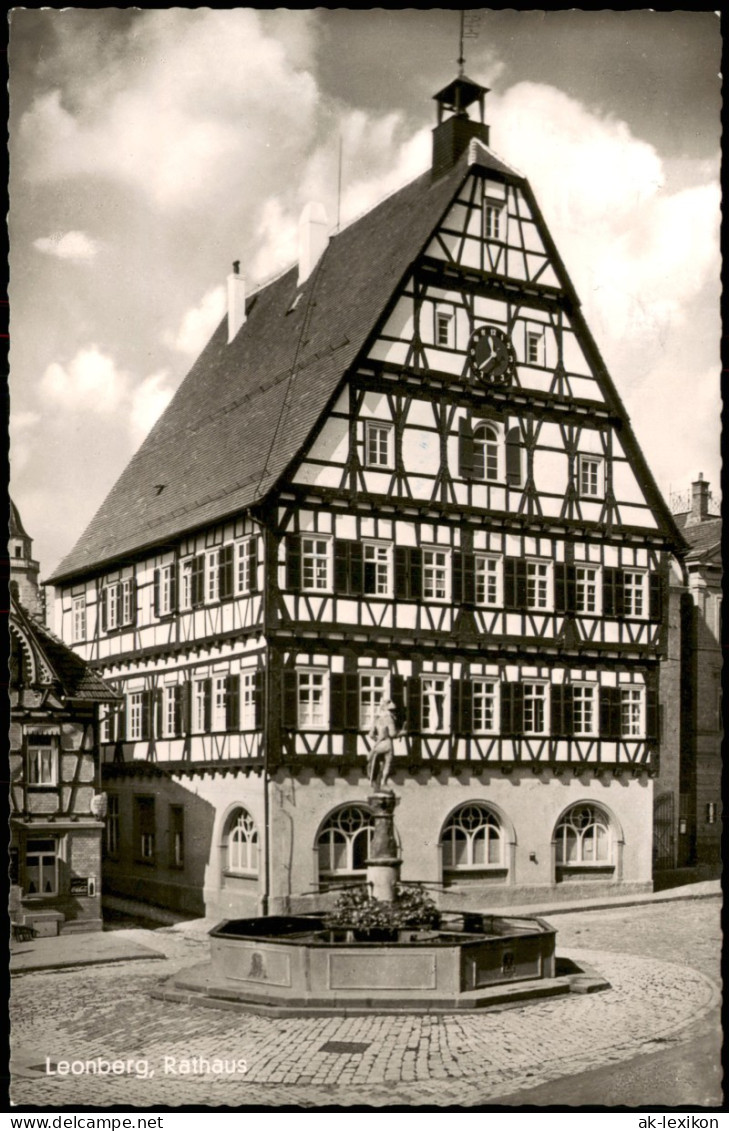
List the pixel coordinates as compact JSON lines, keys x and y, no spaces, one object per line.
{"x":534,"y":347}
{"x":312,"y":700}
{"x":631,"y":712}
{"x":472,"y":839}
{"x":378,"y":444}
{"x":41,"y":866}
{"x":165,"y":583}
{"x":246,"y":565}
{"x":42,"y":760}
{"x":583,"y":836}
{"x":170,"y":710}
{"x":220,"y":701}
{"x":315,"y":553}
{"x":591,"y":477}
{"x":634,"y":602}
{"x":134,"y":716}
{"x":201,"y":705}
{"x":444,"y":328}
{"x":248,"y":701}
{"x":79,"y":618}
{"x":486,"y":453}
{"x":435,"y":690}
{"x":126,"y":599}
{"x":538,"y":585}
{"x":586,"y":589}
{"x":584,"y":713}
{"x":186,"y":584}
{"x":485,"y":706}
{"x":113,"y":606}
{"x":372,"y":687}
{"x":435,"y":575}
{"x":377,"y":569}
{"x":535,"y":708}
{"x":112,"y":825}
{"x":177,"y":836}
{"x":488,"y":579}
{"x":343,"y":844}
{"x":212,"y":575}
{"x":492,"y":220}
{"x":242,"y":845}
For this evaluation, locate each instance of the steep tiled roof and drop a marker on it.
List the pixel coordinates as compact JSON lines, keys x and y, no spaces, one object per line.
{"x":245,"y":409}
{"x":74,"y":679}
{"x":703,"y":537}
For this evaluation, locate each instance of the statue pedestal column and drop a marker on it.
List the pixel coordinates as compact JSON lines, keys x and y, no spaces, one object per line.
{"x":383,"y":865}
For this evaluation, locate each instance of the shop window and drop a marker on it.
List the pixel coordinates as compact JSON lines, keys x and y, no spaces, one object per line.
{"x":41,"y":866}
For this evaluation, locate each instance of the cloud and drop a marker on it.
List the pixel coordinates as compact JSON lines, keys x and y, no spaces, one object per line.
{"x":198,"y":323}
{"x":90,"y":381}
{"x":76,"y":246}
{"x":23,"y":426}
{"x":148,"y":402}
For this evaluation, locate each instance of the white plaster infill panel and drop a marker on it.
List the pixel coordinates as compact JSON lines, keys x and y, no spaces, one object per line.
{"x":381,"y":971}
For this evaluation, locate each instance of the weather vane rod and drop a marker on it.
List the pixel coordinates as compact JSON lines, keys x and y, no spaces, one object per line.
{"x":461,"y":57}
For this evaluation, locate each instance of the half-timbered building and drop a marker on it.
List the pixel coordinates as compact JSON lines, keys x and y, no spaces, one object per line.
{"x":400,"y":469}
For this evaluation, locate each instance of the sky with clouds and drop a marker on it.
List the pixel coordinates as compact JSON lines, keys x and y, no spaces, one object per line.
{"x":151,"y":148}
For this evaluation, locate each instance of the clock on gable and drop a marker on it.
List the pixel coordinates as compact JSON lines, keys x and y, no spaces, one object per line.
{"x":491,"y":356}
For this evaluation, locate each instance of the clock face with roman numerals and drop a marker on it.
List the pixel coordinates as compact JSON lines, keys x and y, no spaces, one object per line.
{"x":491,"y":355}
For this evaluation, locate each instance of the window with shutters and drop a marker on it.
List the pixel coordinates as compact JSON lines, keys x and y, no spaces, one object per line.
{"x":164,"y":590}
{"x":379,"y":446}
{"x":112,"y":607}
{"x":42,"y":760}
{"x":486,"y":453}
{"x":435,"y":715}
{"x":587,"y":589}
{"x":489,"y":580}
{"x":436,"y":575}
{"x":201,"y":705}
{"x":186,"y":584}
{"x":634,"y":599}
{"x":485,"y":706}
{"x":539,"y":585}
{"x":316,"y":564}
{"x":591,"y":476}
{"x":171,"y":698}
{"x":112,"y":825}
{"x":584,"y":709}
{"x":632,"y":722}
{"x":343,"y":844}
{"x":78,"y":627}
{"x":373,"y":687}
{"x":144,"y":813}
{"x":472,"y":839}
{"x":248,"y":712}
{"x":312,"y":700}
{"x":535,"y":708}
{"x":135,"y":714}
{"x":240,"y":844}
{"x":377,"y":568}
{"x":220,"y":702}
{"x":126,"y":601}
{"x":583,"y":837}
{"x":212,"y":576}
{"x":246,"y":580}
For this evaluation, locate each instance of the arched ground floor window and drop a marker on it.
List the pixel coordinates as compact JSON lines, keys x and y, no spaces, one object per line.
{"x":585,"y":843}
{"x":474,"y":845}
{"x":343,"y":845}
{"x":240,"y":844}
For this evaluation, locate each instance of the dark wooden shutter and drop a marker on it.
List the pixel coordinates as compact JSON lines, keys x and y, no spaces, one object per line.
{"x":208,"y":705}
{"x":513,"y":457}
{"x":351,"y":699}
{"x":253,"y":564}
{"x":515,"y":583}
{"x":157,"y":583}
{"x":456,"y":685}
{"x":356,"y":569}
{"x":232,"y":703}
{"x":293,"y":562}
{"x":457,"y":579}
{"x":565,"y":588}
{"x":652,"y":718}
{"x":145,"y":723}
{"x":336,"y":701}
{"x":103,"y":594}
{"x":197,"y":582}
{"x":610,"y":712}
{"x":402,"y":573}
{"x":290,"y":700}
{"x":469,"y":580}
{"x":613,"y":592}
{"x":341,"y":566}
{"x":397,"y":694}
{"x":465,"y":448}
{"x":158,"y":712}
{"x":173,"y":588}
{"x":259,"y":685}
{"x":186,"y":707}
{"x":414,"y":705}
{"x":178,"y":709}
{"x":461,"y":706}
{"x":132,"y":601}
{"x":225,"y":572}
{"x":121,"y":725}
{"x":561,"y":723}
{"x":656,"y":597}
{"x":512,"y":709}
{"x":416,"y":572}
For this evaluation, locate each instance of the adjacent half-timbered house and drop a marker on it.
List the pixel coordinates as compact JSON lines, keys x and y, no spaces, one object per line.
{"x":400,"y":469}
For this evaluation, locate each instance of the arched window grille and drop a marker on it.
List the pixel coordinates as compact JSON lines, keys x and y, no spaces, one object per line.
{"x":486,"y":453}
{"x":583,"y":837}
{"x":241,"y":844}
{"x":343,"y":844}
{"x":473,"y":838}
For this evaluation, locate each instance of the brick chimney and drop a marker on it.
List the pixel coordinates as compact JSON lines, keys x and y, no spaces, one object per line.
{"x":236,"y":301}
{"x":699,"y":502}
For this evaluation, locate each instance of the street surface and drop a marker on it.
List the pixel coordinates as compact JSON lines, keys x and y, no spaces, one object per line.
{"x":662,"y":961}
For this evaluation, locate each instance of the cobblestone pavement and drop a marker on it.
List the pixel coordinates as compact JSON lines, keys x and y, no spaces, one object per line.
{"x":659,"y":960}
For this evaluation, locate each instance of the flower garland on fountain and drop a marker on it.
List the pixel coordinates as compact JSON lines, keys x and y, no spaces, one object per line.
{"x":370,"y":919}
